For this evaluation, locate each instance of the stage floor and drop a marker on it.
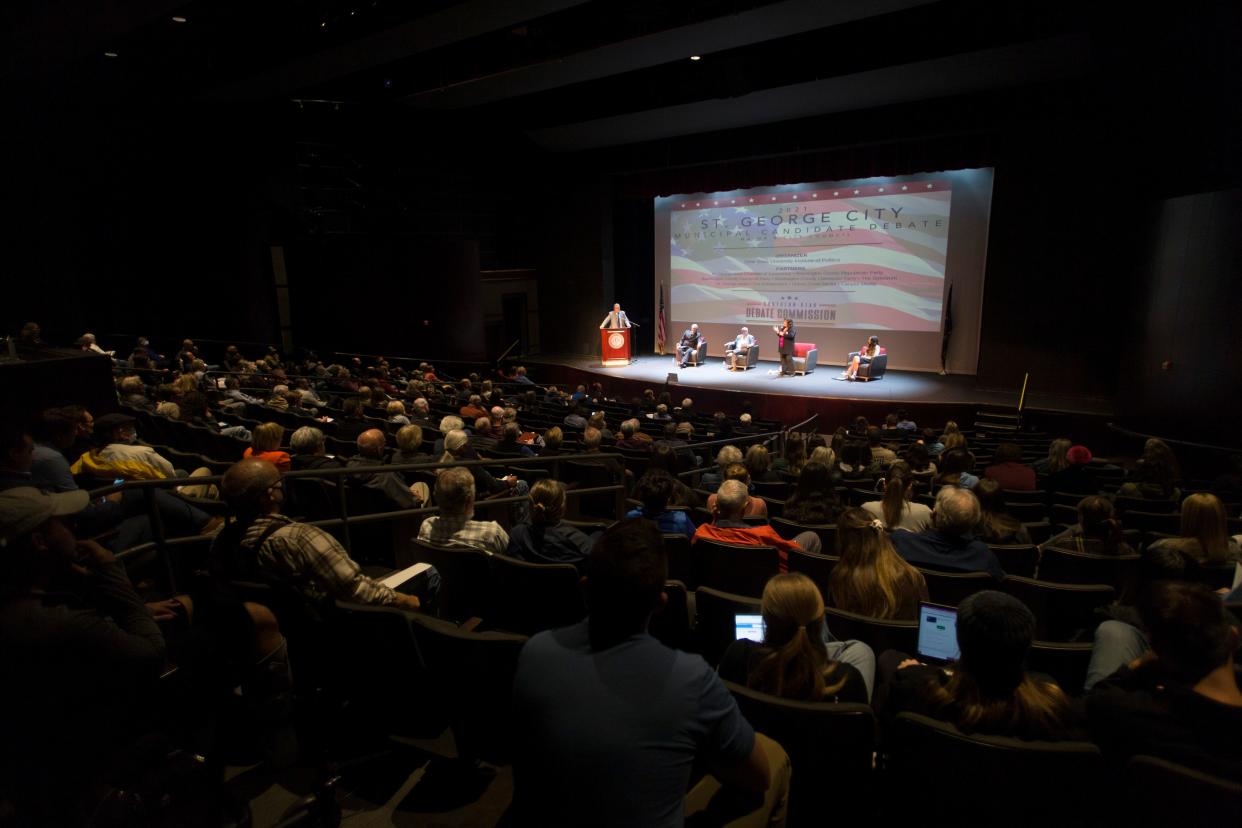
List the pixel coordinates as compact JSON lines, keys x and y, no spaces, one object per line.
{"x":895,"y":388}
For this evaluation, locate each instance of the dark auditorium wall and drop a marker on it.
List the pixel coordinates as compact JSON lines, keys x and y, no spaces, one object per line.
{"x":135,"y":224}
{"x":1191,"y":296}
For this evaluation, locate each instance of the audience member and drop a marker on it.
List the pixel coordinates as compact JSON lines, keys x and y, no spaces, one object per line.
{"x":792,"y":661}
{"x":711,"y":479}
{"x":950,"y":543}
{"x":1096,"y":532}
{"x":871,"y":579}
{"x":755,"y":506}
{"x":987,"y":691}
{"x":895,"y":510}
{"x":655,"y":491}
{"x":759,"y":463}
{"x":610,"y":722}
{"x":1009,"y":471}
{"x":309,"y":451}
{"x":728,"y":527}
{"x":814,"y":501}
{"x":391,"y":491}
{"x":1075,"y":476}
{"x":455,"y":525}
{"x":1204,"y":532}
{"x":1181,"y":700}
{"x":265,"y":445}
{"x":303,"y":556}
{"x":548,"y":538}
{"x":996,"y":526}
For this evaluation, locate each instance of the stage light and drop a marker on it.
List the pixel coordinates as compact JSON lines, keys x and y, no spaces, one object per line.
{"x":110,"y":54}
{"x":881,"y":189}
{"x":323,"y":24}
{"x":904,"y":187}
{"x":696,"y":57}
{"x":929,"y":186}
{"x":178,"y":19}
{"x":856,"y":192}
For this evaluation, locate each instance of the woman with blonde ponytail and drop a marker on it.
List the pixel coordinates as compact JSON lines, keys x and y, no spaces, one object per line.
{"x":792,"y":661}
{"x":895,"y":509}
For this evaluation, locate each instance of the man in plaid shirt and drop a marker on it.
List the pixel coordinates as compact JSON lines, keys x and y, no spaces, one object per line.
{"x":455,"y":525}
{"x":305,"y":555}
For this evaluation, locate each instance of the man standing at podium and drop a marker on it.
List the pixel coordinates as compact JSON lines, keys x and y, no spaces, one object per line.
{"x":616,"y":318}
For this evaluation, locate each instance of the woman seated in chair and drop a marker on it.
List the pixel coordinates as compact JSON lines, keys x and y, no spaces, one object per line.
{"x":871,"y":579}
{"x":996,"y":525}
{"x":548,"y":539}
{"x":1204,"y":535}
{"x":815,"y":501}
{"x":896,"y":509}
{"x":1097,"y":531}
{"x":988,"y":691}
{"x":861,"y":357}
{"x":793,"y":662}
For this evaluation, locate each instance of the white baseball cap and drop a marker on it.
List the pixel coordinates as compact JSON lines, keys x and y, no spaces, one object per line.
{"x":25,"y":508}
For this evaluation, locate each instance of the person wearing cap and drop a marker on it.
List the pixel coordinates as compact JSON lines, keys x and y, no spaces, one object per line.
{"x":988,"y":690}
{"x":1074,"y":476}
{"x":78,"y":649}
{"x":950,"y":543}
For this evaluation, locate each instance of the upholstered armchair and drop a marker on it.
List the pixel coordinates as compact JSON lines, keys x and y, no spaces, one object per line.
{"x":806,"y":355}
{"x":750,"y":360}
{"x":875,"y":369}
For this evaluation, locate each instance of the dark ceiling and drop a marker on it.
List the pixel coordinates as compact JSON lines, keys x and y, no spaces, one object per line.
{"x":570,"y":74}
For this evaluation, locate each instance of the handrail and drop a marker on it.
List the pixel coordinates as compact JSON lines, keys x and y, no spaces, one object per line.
{"x":1130,"y":433}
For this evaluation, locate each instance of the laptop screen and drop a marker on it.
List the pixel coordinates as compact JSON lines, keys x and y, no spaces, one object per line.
{"x":748,"y":626}
{"x":938,"y":633}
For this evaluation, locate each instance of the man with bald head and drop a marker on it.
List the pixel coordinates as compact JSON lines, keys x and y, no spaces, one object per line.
{"x":950,"y":543}
{"x":389,"y":488}
{"x":307,"y":557}
{"x":616,"y":318}
{"x":728,"y":526}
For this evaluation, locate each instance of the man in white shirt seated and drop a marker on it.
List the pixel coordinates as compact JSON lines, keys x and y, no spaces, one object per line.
{"x":740,"y":346}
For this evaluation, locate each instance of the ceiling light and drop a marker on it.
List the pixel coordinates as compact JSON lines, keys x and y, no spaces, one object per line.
{"x":109,"y":54}
{"x":178,"y":19}
{"x":696,"y":57}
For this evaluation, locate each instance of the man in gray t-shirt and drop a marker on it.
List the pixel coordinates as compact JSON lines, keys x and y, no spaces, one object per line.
{"x":610,"y":721}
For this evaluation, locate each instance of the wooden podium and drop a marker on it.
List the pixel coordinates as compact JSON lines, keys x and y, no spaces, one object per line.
{"x":614,"y":345}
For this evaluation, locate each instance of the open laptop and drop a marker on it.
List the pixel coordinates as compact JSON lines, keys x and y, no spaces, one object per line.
{"x":938,"y":634}
{"x":746,"y":625}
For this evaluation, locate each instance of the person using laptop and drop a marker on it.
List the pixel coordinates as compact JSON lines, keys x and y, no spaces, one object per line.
{"x":980,"y":685}
{"x":791,"y":659}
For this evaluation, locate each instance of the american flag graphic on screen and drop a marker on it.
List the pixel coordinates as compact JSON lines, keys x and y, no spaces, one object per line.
{"x":867,"y":256}
{"x":659,"y":344}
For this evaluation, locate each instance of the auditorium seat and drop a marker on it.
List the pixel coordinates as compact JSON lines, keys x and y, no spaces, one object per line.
{"x":465,"y":579}
{"x":816,"y":567}
{"x":471,"y":676}
{"x":527,"y":598}
{"x":1063,"y":612}
{"x":671,"y":625}
{"x":1017,"y":558}
{"x":878,"y":633}
{"x":971,"y":779}
{"x":789,"y":530}
{"x":1160,"y":792}
{"x":951,"y":588}
{"x":828,"y":745}
{"x":732,"y":567}
{"x":714,"y":627}
{"x":1068,"y":566}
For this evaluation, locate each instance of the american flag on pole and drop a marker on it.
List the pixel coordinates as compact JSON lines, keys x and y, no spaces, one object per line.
{"x":659,"y":343}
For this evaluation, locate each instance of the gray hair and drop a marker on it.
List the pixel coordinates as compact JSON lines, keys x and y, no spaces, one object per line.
{"x":727,"y":455}
{"x":451,"y":422}
{"x":957,"y":511}
{"x":731,"y":498}
{"x":306,"y":440}
{"x":421,"y":405}
{"x":455,"y":491}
